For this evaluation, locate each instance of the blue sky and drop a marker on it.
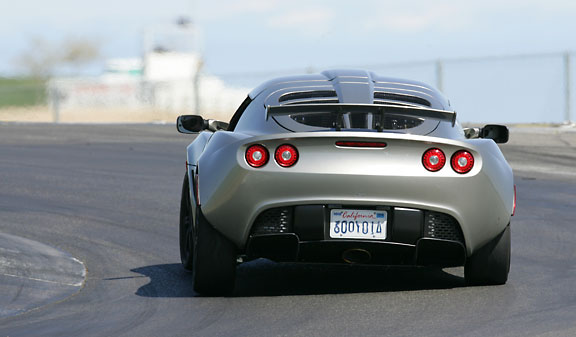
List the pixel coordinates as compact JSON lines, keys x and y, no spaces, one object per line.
{"x":258,"y":39}
{"x":267,"y":35}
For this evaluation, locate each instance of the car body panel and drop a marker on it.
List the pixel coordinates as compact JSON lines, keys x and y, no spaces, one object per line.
{"x":481,"y":201}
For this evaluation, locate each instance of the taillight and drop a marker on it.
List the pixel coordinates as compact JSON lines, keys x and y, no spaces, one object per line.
{"x":514,"y":205}
{"x":433,"y":159}
{"x":257,"y":155}
{"x":196,"y":188}
{"x":462,"y":161}
{"x":286,"y":155}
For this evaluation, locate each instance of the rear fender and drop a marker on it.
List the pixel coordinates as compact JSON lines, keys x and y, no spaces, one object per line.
{"x":193,"y":153}
{"x":195,"y":149}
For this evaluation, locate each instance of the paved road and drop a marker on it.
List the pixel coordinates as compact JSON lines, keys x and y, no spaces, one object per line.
{"x":108,"y":196}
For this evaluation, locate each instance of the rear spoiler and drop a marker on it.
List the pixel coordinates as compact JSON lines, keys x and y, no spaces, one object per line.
{"x":339,"y":109}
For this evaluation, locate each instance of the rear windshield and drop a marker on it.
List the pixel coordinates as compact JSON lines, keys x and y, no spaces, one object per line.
{"x":358,"y":117}
{"x":357,"y":120}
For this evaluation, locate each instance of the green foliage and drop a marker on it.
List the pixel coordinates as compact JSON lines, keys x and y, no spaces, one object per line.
{"x":22,"y":92}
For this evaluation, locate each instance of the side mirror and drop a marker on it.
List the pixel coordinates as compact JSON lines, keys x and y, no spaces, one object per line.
{"x":191,"y":124}
{"x":472,"y":133}
{"x":214,"y":125}
{"x":498,"y":133}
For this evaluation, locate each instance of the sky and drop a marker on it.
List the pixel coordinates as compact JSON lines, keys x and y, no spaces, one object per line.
{"x":268,"y":35}
{"x":261,"y":38}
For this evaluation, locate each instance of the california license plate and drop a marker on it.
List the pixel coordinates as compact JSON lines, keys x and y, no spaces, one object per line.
{"x":358,"y":224}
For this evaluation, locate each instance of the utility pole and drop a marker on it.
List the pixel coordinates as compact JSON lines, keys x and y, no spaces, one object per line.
{"x":567,"y":89}
{"x":55,"y":99}
{"x":439,"y":75}
{"x":196,"y":84}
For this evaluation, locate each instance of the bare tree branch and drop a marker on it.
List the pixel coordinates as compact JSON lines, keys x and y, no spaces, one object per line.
{"x":41,"y":59}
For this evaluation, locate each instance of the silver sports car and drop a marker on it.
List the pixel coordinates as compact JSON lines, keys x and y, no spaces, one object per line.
{"x":344,"y":167}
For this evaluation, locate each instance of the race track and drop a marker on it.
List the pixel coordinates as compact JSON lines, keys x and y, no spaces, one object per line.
{"x":108,"y":196}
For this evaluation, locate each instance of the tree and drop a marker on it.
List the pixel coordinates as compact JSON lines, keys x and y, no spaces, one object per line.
{"x":42,"y":59}
{"x":38,"y":59}
{"x":76,"y":52}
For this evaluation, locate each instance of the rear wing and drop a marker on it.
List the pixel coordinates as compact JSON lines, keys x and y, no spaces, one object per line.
{"x":338,"y":110}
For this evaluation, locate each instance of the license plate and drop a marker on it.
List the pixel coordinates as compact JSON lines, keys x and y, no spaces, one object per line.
{"x":358,"y":224}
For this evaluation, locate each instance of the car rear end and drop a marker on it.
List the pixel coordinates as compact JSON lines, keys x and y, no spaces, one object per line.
{"x":355,"y":196}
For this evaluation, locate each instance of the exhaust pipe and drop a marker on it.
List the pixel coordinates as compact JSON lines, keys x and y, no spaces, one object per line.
{"x":356,"y":255}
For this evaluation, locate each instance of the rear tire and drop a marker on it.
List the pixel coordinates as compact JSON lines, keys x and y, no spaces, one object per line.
{"x":214,"y":266}
{"x":186,"y":232}
{"x":490,"y":265}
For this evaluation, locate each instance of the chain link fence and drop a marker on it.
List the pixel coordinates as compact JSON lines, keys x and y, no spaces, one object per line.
{"x":531,"y":89}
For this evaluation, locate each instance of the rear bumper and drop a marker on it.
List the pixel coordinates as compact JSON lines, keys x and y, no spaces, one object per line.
{"x":289,"y":248}
{"x":302,"y":234}
{"x":475,"y":202}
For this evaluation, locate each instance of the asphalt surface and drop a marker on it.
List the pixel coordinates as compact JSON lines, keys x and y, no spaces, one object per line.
{"x":33,"y":274}
{"x":108,"y":196}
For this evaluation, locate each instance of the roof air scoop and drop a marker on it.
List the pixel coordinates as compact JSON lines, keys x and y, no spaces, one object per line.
{"x":388,"y":96}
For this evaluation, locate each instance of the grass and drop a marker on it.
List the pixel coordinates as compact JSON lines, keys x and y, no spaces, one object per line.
{"x":22,"y":92}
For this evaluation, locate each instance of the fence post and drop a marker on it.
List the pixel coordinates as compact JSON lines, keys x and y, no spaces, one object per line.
{"x":439,"y":75}
{"x":196,"y":84}
{"x":55,"y":99}
{"x":567,"y":89}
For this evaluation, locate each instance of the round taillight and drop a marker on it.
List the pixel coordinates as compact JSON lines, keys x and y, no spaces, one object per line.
{"x":433,"y":159}
{"x":257,"y":155}
{"x":462,"y":161}
{"x":286,"y":155}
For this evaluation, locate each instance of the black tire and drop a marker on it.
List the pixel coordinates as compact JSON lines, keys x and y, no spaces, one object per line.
{"x":214,"y":260}
{"x":208,"y":254}
{"x":490,"y":265}
{"x":186,"y":232}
